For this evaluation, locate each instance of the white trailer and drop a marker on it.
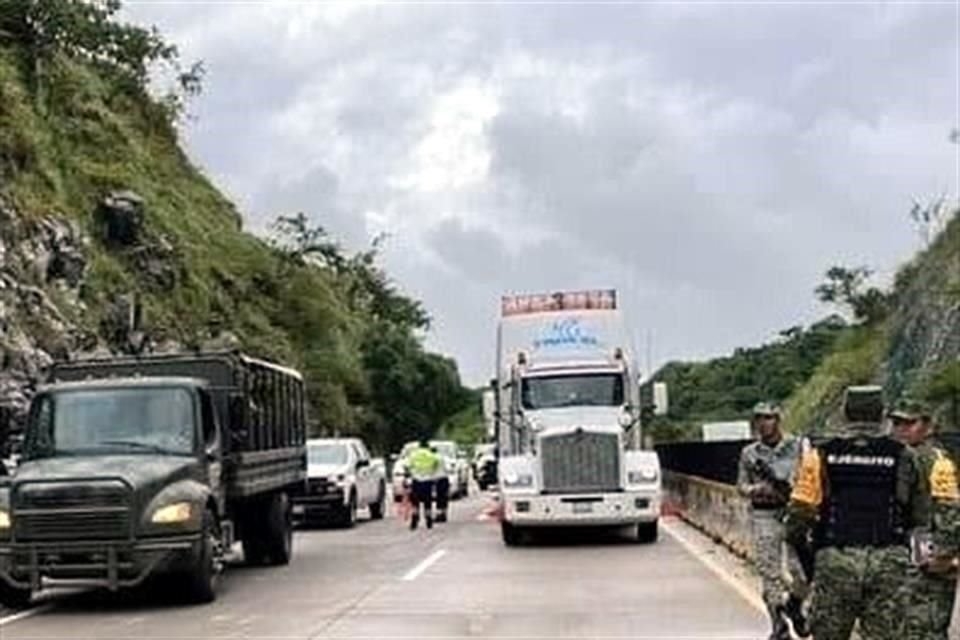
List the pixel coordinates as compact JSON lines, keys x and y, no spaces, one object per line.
{"x":566,"y":415}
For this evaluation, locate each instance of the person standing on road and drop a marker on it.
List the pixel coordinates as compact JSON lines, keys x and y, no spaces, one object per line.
{"x":423,"y":464}
{"x":934,"y":577}
{"x":857,"y":497}
{"x":764,"y":478}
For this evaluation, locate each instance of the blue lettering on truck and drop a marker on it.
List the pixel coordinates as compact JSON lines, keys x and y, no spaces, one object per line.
{"x":565,"y":333}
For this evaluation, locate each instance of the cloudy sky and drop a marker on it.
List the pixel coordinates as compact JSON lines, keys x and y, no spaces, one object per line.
{"x":709,"y":160}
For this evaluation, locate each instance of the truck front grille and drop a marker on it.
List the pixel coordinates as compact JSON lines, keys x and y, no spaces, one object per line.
{"x":580,"y":462}
{"x":72,"y":511}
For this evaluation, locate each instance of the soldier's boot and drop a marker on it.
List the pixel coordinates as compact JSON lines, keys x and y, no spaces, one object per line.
{"x":442,"y":516}
{"x":780,"y":629}
{"x":429,"y":521}
{"x":414,"y":520}
{"x":793,"y":610}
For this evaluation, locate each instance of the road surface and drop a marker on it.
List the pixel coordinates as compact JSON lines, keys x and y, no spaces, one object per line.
{"x":379,"y":580}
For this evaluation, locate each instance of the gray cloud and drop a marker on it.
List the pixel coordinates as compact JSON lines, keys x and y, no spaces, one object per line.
{"x":711,"y":161}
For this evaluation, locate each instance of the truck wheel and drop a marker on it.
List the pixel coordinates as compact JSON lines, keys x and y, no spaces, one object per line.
{"x":204,"y":577}
{"x":14,"y":597}
{"x":378,"y":508}
{"x":348,"y":516}
{"x":647,"y":532}
{"x":278,"y":539}
{"x":511,"y":534}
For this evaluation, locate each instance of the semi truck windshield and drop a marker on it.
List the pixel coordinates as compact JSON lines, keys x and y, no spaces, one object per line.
{"x":551,"y":392}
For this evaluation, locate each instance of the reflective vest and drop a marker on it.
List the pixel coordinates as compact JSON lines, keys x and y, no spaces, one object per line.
{"x":423,"y":464}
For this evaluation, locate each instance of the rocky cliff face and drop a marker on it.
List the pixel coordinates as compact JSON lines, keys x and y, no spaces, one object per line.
{"x":42,"y":268}
{"x":43,"y":279}
{"x":925,"y":322}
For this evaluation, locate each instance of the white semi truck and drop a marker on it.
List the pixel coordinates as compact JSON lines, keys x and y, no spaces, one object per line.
{"x":565,"y":410}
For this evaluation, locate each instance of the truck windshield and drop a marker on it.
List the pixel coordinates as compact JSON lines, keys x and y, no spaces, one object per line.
{"x":327,"y":454}
{"x":551,"y":392}
{"x":141,"y":420}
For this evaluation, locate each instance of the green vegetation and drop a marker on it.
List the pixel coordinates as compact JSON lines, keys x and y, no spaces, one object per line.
{"x":465,"y":427}
{"x":907,"y":339}
{"x":77,"y":122}
{"x":727,"y":388}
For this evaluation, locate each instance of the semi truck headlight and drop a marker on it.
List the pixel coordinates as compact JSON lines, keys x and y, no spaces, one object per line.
{"x":517,"y":480}
{"x":172,"y":513}
{"x":642,"y":476}
{"x":4,"y":519}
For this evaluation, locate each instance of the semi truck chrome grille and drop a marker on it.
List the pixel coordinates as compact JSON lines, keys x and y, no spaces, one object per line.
{"x":580,"y":462}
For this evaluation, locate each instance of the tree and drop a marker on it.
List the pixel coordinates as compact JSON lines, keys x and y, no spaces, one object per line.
{"x":86,"y":30}
{"x":845,"y":287}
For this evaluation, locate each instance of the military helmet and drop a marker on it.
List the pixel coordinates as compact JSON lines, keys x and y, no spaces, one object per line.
{"x":766,"y":409}
{"x":909,"y":409}
{"x":863,"y":404}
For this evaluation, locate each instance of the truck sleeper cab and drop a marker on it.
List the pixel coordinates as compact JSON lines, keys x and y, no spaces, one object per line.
{"x":565,"y":412}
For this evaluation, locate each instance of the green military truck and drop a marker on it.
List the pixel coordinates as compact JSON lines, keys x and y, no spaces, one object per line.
{"x":134,"y":467}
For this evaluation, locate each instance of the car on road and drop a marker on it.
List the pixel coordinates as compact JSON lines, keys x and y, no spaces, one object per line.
{"x":455,"y":466}
{"x":484,"y":466}
{"x":342,"y":478}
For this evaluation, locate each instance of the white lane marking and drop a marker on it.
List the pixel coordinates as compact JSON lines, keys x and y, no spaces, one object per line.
{"x":25,"y":614}
{"x":414,"y":573}
{"x":744,"y":590}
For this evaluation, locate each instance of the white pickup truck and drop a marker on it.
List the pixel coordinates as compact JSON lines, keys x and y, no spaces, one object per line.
{"x":341,"y":479}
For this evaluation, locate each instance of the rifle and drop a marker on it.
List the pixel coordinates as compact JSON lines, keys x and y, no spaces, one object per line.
{"x":763,"y":471}
{"x":805,"y":551}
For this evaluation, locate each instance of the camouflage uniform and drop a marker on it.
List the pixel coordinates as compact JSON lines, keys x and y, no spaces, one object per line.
{"x":859,"y":494}
{"x":766,"y":519}
{"x":933,"y":588}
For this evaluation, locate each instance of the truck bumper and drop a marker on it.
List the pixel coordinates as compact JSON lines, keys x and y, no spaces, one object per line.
{"x":314,"y":505}
{"x":113,"y":565}
{"x":608,"y":509}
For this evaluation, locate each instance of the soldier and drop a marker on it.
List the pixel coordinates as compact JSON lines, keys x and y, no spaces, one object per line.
{"x":857,"y":496}
{"x":935,"y":576}
{"x":764,"y":477}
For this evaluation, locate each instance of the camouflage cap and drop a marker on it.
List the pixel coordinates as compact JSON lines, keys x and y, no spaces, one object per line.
{"x":766,"y":409}
{"x":908,"y":408}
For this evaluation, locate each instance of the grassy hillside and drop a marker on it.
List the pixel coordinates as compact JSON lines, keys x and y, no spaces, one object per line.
{"x":77,"y":124}
{"x":727,"y":388}
{"x":914,"y":350}
{"x":911,"y":346}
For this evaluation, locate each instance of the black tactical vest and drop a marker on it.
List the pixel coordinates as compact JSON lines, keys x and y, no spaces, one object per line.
{"x":860,"y":505}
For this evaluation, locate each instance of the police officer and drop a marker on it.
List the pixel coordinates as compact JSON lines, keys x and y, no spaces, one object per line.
{"x":764,"y":477}
{"x":934,"y":575}
{"x":857,"y":496}
{"x":423,"y":464}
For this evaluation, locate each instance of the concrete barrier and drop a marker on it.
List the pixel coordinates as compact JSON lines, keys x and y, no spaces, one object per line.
{"x":712,"y":507}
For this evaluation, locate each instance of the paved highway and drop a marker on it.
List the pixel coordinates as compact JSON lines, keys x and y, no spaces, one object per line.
{"x":379,"y":580}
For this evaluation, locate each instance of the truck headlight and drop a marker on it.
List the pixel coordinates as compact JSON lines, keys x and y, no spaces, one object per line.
{"x":517,"y":480}
{"x":172,"y":513}
{"x":643,"y":476}
{"x":4,"y":519}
